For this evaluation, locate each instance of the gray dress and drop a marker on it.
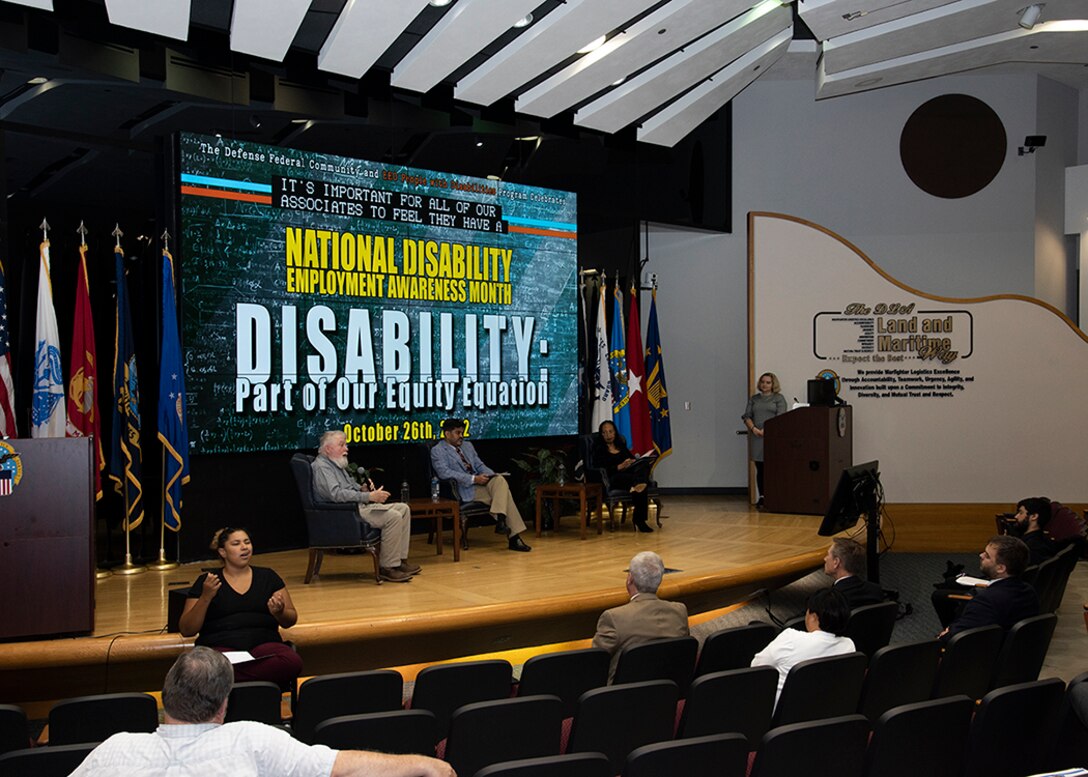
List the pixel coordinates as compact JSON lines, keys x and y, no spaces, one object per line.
{"x":759,"y":409}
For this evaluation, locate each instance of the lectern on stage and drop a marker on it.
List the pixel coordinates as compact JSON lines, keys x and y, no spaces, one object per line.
{"x":46,"y":537}
{"x":804,"y":453}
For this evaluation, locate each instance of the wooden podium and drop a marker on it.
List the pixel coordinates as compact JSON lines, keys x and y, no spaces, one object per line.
{"x":47,"y":539}
{"x":804,"y":453}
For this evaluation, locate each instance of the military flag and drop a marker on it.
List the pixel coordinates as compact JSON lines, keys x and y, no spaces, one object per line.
{"x":7,"y":386}
{"x":126,"y":458}
{"x":47,"y":404}
{"x":83,"y":418}
{"x":656,"y":393}
{"x":172,"y":430}
{"x":641,"y":442}
{"x":602,"y":380}
{"x":617,"y":361}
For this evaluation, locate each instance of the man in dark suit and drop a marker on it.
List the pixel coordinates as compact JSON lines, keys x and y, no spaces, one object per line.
{"x":1007,"y":599}
{"x":1032,"y":516}
{"x":844,"y":564}
{"x":644,"y":617}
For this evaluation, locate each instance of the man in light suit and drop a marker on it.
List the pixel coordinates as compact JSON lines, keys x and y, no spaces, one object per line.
{"x":645,"y":617}
{"x":456,"y":460}
{"x":843,"y":564}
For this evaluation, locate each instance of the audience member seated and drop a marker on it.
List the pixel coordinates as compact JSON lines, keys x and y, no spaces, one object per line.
{"x":1029,"y":524}
{"x":645,"y":617}
{"x":825,"y":621}
{"x":455,"y":459}
{"x":1007,"y":599}
{"x":610,"y":453}
{"x":333,"y":484}
{"x":242,"y":607}
{"x":193,"y":741}
{"x":844,"y":563}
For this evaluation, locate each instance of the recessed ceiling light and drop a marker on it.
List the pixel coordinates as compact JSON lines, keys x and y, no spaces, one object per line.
{"x":528,"y":138}
{"x":37,"y":80}
{"x":619,"y":80}
{"x":479,"y":144}
{"x":299,"y":121}
{"x":440,"y":3}
{"x":493,"y":178}
{"x":592,"y":45}
{"x":524,"y":21}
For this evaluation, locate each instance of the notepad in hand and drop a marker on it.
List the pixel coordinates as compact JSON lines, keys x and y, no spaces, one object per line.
{"x":973,"y":582}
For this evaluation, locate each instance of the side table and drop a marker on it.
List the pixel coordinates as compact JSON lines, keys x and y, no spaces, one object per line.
{"x":425,"y":509}
{"x":586,"y":493}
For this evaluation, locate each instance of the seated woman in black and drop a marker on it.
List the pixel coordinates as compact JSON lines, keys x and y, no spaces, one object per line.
{"x":611,"y":454}
{"x":242,"y":607}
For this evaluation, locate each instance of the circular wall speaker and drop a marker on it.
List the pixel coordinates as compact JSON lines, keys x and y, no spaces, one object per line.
{"x":953,"y":146}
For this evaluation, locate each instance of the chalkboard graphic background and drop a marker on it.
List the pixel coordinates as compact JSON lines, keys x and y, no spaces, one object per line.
{"x":235,"y":253}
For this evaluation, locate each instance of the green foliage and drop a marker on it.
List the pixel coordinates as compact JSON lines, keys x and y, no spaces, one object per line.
{"x":541,"y":465}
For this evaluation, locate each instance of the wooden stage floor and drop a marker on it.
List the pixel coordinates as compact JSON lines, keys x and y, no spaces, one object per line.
{"x":723,"y":551}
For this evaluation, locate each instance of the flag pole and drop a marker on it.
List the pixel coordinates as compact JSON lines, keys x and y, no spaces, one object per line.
{"x":128,"y":568}
{"x":162,"y":564}
{"x":99,"y":573}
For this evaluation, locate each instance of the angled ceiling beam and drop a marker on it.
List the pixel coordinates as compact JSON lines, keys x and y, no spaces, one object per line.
{"x":45,"y":5}
{"x":660,"y":33}
{"x":459,"y":35}
{"x":828,"y":18}
{"x":1050,"y":42}
{"x":169,"y":18}
{"x":266,"y":28}
{"x":544,"y":45}
{"x":652,"y":88}
{"x":362,"y":33}
{"x":670,"y":125}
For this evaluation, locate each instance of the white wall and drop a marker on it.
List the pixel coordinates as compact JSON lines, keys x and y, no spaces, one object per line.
{"x":836,"y":162}
{"x":1055,"y":266}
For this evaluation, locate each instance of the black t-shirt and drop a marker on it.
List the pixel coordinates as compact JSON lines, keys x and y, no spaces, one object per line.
{"x":240,"y":621}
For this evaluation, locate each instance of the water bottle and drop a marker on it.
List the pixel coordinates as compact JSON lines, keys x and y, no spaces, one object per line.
{"x":434,"y":489}
{"x":404,"y":495}
{"x":562,"y":474}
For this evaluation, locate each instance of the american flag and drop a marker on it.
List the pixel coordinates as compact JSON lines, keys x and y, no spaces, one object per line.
{"x":7,"y":389}
{"x":6,"y":479}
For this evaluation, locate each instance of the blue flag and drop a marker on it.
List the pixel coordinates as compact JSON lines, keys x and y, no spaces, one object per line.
{"x":125,"y":456}
{"x":173,"y":433}
{"x":656,"y":394}
{"x":617,"y":361}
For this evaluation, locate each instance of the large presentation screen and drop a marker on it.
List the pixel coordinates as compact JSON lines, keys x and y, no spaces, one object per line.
{"x":323,"y":292}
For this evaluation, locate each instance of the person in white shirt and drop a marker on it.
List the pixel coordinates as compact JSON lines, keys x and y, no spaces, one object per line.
{"x":194,"y":742}
{"x":825,"y":620}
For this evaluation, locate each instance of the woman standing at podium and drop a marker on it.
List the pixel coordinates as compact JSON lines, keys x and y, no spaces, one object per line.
{"x":763,"y":405}
{"x":242,"y":607}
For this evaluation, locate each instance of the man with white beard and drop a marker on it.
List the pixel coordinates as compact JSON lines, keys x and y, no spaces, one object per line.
{"x":332,"y":483}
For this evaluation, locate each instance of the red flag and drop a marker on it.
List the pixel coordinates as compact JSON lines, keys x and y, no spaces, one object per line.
{"x":83,"y":420}
{"x":641,"y":439}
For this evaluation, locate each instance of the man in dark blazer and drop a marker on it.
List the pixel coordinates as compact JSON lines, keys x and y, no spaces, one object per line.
{"x":1007,"y":599}
{"x":644,"y":617}
{"x":844,"y":564}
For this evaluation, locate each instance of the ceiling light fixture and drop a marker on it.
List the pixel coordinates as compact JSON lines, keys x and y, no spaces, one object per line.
{"x":439,"y":3}
{"x":1029,"y":17}
{"x":592,"y":45}
{"x":479,"y":144}
{"x":37,"y":80}
{"x":619,"y":81}
{"x":524,"y":21}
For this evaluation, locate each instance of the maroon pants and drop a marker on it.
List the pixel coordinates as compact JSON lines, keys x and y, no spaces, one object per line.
{"x":276,"y":663}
